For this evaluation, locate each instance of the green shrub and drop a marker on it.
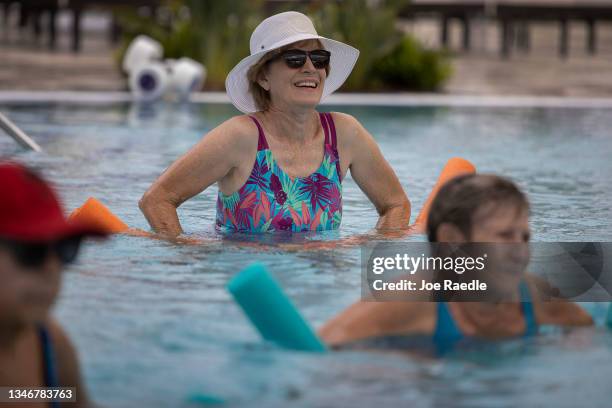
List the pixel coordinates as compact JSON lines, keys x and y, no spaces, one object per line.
{"x":411,"y":67}
{"x":174,"y":31}
{"x":369,"y":26}
{"x":223,"y":29}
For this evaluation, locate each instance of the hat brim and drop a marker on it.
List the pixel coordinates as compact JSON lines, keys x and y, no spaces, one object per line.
{"x":57,"y":230}
{"x":343,"y":59}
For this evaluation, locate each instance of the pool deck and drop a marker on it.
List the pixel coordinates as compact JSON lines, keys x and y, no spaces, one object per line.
{"x":479,"y":76}
{"x":352,"y":99}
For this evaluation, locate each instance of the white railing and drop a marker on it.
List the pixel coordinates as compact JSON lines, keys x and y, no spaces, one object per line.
{"x":20,"y":137}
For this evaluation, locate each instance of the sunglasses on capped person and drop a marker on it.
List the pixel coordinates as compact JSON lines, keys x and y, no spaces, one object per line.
{"x":34,"y":254}
{"x":297,"y":58}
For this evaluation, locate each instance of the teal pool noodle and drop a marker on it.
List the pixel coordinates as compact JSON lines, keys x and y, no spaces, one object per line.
{"x":205,"y":399}
{"x":271,"y":312}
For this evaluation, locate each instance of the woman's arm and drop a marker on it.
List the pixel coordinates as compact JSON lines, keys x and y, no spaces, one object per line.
{"x":210,"y":160}
{"x":368,"y":319}
{"x":374,"y":176}
{"x":550,"y":308}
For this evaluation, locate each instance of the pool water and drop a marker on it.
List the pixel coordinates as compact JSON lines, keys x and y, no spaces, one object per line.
{"x":154,"y":325}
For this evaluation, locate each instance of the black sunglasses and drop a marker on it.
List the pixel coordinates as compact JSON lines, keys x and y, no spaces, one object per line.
{"x":297,"y":58}
{"x":34,"y":254}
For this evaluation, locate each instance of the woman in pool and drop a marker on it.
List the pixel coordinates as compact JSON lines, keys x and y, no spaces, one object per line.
{"x":470,"y":208}
{"x":35,"y":243}
{"x":280,"y":166}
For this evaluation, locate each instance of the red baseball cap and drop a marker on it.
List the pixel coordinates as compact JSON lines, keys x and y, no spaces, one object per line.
{"x":30,"y":210}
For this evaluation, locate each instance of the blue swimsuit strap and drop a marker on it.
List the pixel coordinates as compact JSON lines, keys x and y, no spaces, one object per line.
{"x":447,"y":333}
{"x":49,"y":364}
{"x":531,"y":324}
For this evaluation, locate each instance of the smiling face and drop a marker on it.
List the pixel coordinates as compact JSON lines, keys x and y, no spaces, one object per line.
{"x":294,"y":87}
{"x":505,"y":229}
{"x":500,"y":233}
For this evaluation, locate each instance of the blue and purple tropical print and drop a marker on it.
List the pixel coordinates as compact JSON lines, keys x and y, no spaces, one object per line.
{"x":271,"y":201}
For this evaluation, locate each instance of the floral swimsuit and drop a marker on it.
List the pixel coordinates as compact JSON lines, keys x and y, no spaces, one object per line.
{"x":271,"y":201}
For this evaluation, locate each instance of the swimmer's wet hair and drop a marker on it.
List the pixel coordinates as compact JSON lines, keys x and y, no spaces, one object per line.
{"x":458,"y":201}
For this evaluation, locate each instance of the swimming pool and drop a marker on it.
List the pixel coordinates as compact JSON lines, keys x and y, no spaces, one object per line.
{"x":154,"y":324}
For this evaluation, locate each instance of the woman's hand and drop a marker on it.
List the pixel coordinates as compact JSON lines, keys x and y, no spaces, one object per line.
{"x":180,"y":239}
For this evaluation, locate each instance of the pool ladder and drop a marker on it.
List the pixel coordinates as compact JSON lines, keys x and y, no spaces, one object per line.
{"x":20,"y":137}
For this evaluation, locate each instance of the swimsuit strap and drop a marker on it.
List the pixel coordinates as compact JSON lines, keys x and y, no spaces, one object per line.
{"x":325,"y":126}
{"x":332,"y":129}
{"x":531,"y":324}
{"x":328,"y":128}
{"x":262,"y":143}
{"x":332,"y":140}
{"x":447,"y":333}
{"x":48,"y":357}
{"x":49,"y":363}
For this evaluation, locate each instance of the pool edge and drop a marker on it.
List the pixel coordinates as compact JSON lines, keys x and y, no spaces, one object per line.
{"x":348,"y":99}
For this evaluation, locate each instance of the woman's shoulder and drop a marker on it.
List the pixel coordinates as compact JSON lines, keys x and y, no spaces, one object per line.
{"x":65,"y":356}
{"x":344,"y":121}
{"x":348,"y":128}
{"x":550,"y":308}
{"x":354,"y":140}
{"x":60,"y":342}
{"x":238,"y":133}
{"x":561,"y":312}
{"x":238,"y":127}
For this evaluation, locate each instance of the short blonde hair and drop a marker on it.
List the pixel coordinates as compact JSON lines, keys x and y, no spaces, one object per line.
{"x":256,"y":72}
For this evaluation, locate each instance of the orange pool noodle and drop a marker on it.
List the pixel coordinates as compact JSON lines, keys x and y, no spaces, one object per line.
{"x":94,"y":212}
{"x":453,"y":168}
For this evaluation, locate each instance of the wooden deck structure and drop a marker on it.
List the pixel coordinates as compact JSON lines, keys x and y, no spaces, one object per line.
{"x":514,"y":17}
{"x":31,"y":12}
{"x":447,"y":10}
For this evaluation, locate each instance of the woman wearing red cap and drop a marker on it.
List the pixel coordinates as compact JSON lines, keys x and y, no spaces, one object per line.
{"x":36,"y":242}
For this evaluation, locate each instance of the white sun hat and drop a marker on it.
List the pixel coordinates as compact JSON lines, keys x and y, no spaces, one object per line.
{"x":275,"y":32}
